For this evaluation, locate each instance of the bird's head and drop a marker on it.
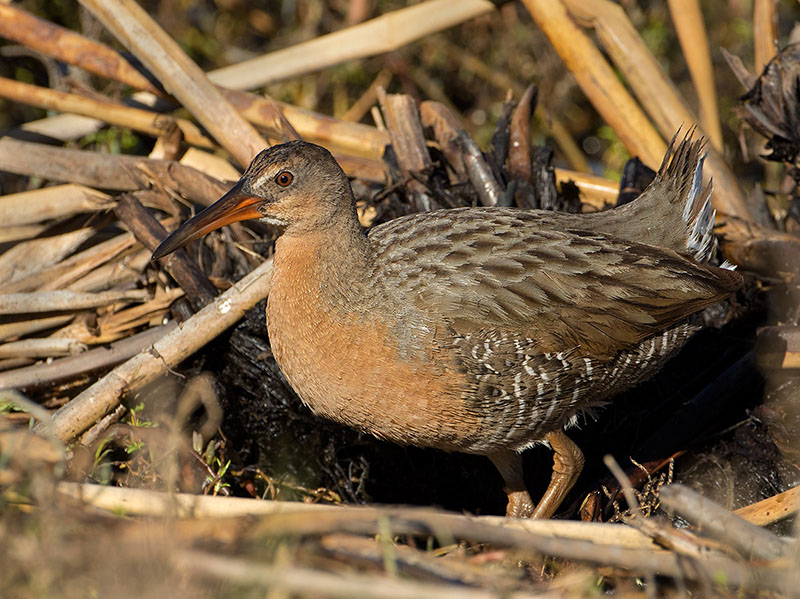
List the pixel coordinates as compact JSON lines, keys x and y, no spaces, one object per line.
{"x":296,"y":186}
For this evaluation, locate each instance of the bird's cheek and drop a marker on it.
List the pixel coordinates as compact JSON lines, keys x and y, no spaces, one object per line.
{"x":274,"y":213}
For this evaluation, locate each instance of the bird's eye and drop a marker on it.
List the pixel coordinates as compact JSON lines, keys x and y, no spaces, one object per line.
{"x":284,"y":178}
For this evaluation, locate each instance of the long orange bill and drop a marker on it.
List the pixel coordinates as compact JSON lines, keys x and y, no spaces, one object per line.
{"x":230,"y":208}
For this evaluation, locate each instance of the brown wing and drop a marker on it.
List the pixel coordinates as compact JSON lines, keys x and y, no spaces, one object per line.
{"x":500,"y":269}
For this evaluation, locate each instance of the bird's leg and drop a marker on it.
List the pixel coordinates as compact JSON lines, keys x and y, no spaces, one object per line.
{"x":509,"y":463}
{"x":567,"y":466}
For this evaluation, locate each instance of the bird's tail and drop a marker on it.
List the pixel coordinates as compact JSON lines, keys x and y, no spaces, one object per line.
{"x":680,"y":180}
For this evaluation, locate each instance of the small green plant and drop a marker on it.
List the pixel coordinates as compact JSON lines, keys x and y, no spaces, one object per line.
{"x":215,"y":482}
{"x":135,"y":420}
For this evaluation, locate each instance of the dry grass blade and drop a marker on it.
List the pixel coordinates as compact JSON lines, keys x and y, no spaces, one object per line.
{"x":57,"y":301}
{"x":176,"y":71}
{"x":103,"y":396}
{"x":135,"y":118}
{"x":39,"y":205}
{"x":691,"y":30}
{"x":377,"y":36}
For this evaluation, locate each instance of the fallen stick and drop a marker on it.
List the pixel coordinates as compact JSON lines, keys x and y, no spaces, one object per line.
{"x":503,"y":533}
{"x":189,"y":336}
{"x":295,"y":581}
{"x":61,"y":300}
{"x":772,"y":509}
{"x":41,"y":348}
{"x":717,"y":522}
{"x":89,"y":361}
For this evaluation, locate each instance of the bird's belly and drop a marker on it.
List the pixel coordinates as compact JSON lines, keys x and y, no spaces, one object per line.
{"x":353,"y":373}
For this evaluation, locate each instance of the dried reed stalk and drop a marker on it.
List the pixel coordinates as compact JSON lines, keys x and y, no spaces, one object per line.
{"x":656,"y":92}
{"x":28,"y":257}
{"x":145,"y":502}
{"x":597,"y":192}
{"x":66,"y":272}
{"x":715,"y":521}
{"x":765,"y":32}
{"x":42,"y":348}
{"x":376,"y":36}
{"x":371,"y":521}
{"x":21,"y":328}
{"x":127,"y":268}
{"x":61,"y":127}
{"x":691,"y":29}
{"x":773,"y":509}
{"x":313,"y":582}
{"x":598,"y":80}
{"x":137,"y":30}
{"x":59,"y":201}
{"x":40,"y":375}
{"x":18,"y":233}
{"x":100,"y":59}
{"x":62,"y":300}
{"x":137,"y":119}
{"x":210,"y":164}
{"x":52,"y":40}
